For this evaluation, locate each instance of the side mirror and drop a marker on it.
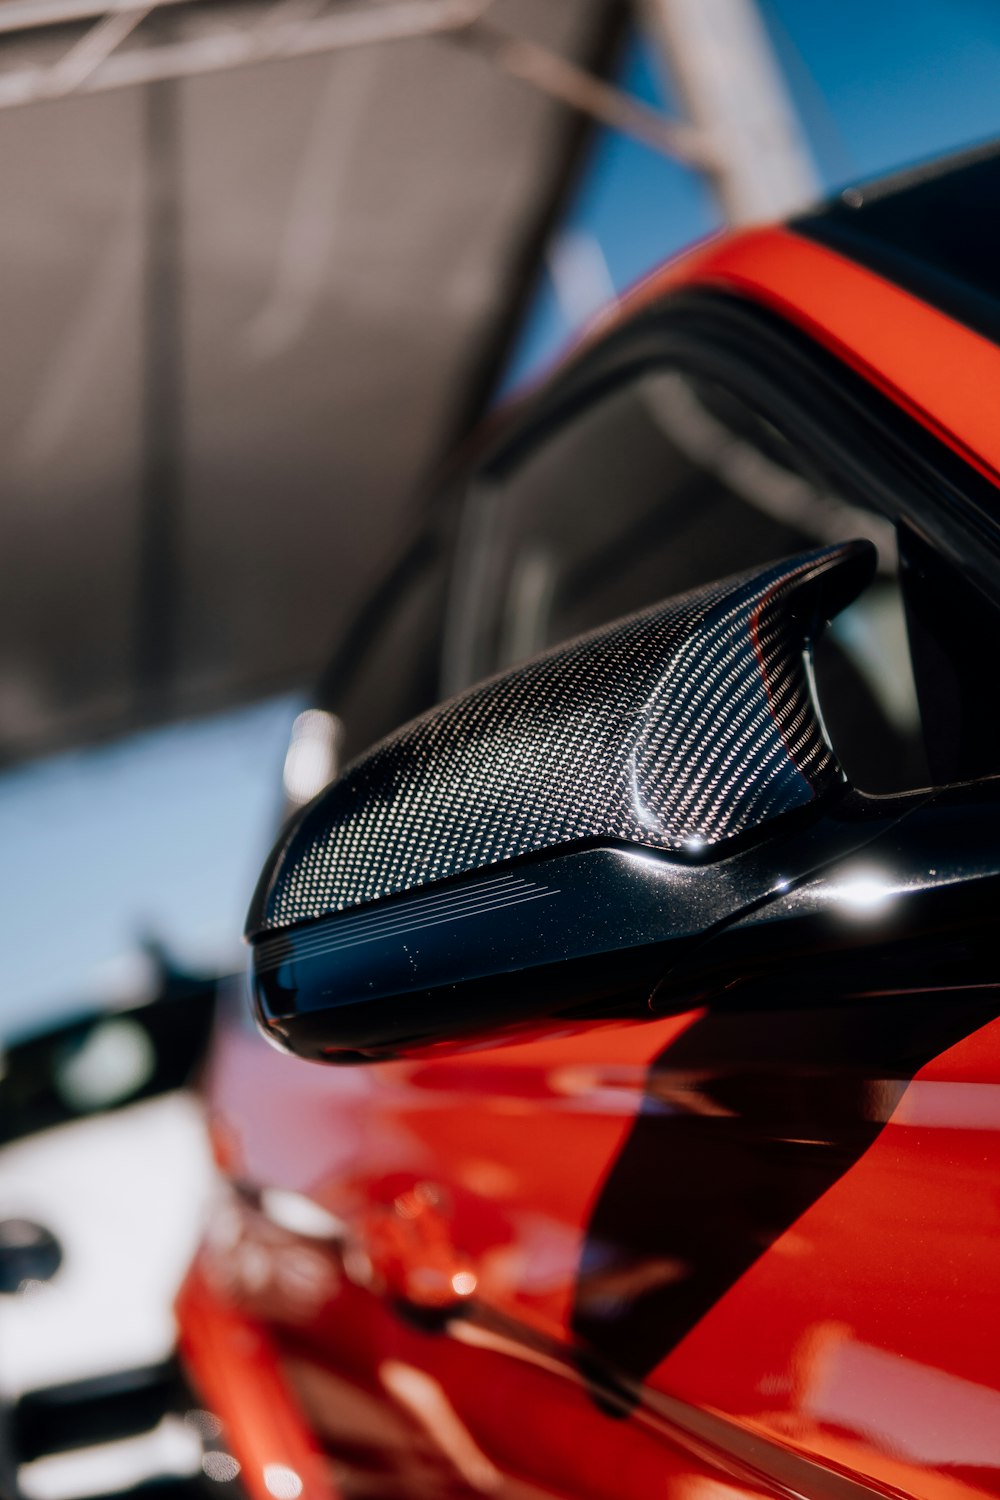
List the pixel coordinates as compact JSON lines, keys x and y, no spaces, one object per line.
{"x":548,"y":841}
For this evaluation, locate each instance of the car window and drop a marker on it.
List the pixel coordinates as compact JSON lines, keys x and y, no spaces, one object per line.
{"x":387,"y":667}
{"x":668,"y":483}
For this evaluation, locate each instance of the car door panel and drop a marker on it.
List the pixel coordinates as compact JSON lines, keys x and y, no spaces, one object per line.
{"x":809,"y":1194}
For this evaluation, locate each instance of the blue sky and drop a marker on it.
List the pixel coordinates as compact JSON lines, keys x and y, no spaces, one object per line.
{"x":881,"y":83}
{"x":162,"y":834}
{"x":877,"y":84}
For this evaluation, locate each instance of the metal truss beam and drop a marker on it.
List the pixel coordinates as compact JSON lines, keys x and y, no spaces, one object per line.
{"x":98,"y":61}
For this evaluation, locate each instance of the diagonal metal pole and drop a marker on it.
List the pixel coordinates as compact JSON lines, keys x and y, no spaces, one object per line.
{"x":720,"y":57}
{"x":81,"y":61}
{"x":35,"y":15}
{"x":552,"y":74}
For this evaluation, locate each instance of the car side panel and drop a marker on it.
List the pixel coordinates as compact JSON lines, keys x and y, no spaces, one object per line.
{"x":860,"y":1345}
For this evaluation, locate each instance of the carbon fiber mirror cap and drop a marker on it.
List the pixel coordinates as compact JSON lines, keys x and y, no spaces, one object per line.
{"x":681,"y":733}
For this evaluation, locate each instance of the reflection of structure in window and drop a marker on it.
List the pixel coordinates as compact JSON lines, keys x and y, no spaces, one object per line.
{"x":768,"y":486}
{"x":871,"y":634}
{"x":475,"y":581}
{"x":526,"y":625}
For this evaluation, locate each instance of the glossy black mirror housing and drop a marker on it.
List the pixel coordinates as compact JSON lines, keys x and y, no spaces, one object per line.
{"x":560,"y":812}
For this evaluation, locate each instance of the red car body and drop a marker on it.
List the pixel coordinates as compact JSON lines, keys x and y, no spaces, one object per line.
{"x":390,"y":1300}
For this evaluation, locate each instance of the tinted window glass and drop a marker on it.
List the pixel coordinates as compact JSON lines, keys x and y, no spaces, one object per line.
{"x":669,"y":483}
{"x":387,"y":668}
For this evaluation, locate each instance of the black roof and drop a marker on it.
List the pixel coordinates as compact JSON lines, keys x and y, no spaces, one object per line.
{"x":934,"y":230}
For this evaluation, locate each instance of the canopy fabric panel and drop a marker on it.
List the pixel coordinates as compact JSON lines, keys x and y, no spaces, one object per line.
{"x":245,"y":314}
